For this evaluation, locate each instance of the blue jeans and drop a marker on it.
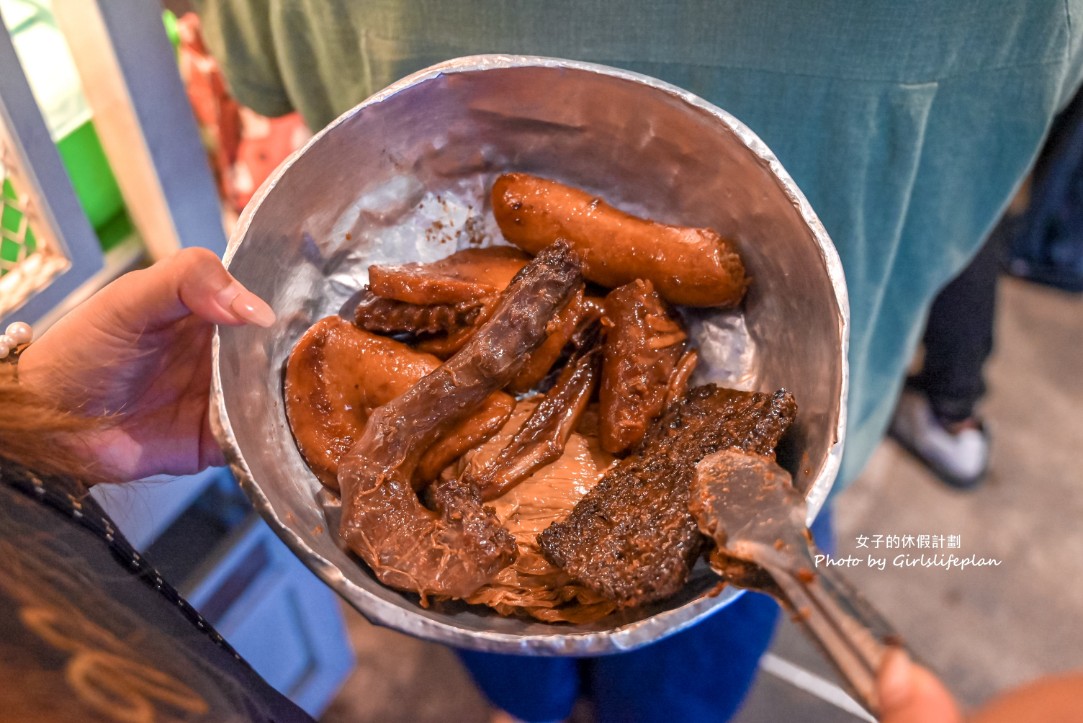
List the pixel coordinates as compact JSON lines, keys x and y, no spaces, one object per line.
{"x":699,"y":674}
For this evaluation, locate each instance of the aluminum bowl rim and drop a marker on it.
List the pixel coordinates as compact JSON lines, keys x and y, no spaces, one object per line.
{"x":561,"y":642}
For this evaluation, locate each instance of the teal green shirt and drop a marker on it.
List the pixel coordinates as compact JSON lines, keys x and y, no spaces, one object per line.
{"x":908,"y":125}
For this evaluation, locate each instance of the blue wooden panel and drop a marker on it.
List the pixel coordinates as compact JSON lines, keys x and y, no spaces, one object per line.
{"x":41,"y":167}
{"x":267,"y":627}
{"x":277,"y":614}
{"x":149,"y":66}
{"x":319,"y":614}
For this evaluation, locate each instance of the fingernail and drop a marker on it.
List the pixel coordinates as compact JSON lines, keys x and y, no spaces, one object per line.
{"x":896,"y":679}
{"x":245,"y":305}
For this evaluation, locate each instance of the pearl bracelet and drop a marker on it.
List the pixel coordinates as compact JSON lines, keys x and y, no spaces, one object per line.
{"x":17,"y":334}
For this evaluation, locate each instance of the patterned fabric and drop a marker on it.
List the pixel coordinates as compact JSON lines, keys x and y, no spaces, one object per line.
{"x":98,"y":632}
{"x":244,"y":147}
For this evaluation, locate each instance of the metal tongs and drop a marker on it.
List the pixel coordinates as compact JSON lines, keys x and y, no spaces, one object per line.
{"x":747,"y":504}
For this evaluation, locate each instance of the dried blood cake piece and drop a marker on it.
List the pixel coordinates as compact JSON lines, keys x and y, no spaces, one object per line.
{"x":632,"y":538}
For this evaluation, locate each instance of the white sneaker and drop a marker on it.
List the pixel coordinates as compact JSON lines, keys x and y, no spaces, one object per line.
{"x":961,"y":459}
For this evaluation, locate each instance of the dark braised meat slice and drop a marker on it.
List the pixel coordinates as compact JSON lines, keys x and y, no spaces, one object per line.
{"x":390,"y":316}
{"x":469,"y":275}
{"x":457,"y":550}
{"x":643,"y":346}
{"x":632,"y":538}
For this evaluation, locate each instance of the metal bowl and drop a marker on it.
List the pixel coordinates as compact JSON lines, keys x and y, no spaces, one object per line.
{"x":405,"y":176}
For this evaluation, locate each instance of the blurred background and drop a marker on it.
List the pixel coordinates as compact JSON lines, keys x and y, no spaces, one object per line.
{"x":120,"y":143}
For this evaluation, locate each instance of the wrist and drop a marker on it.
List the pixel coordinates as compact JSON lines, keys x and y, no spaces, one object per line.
{"x":14,"y":341}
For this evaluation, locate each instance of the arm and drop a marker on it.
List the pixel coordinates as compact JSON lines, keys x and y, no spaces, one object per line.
{"x":911,"y":694}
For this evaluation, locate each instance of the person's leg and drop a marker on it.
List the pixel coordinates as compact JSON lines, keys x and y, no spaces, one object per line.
{"x":959,"y":337}
{"x":1048,"y":245}
{"x":936,"y":417}
{"x":528,"y":688}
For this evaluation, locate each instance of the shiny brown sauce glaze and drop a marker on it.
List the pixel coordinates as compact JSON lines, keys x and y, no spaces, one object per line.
{"x":542,"y":437}
{"x":632,"y":538}
{"x":455,"y":551}
{"x":644,"y":342}
{"x":465,"y":276}
{"x":337,"y":374}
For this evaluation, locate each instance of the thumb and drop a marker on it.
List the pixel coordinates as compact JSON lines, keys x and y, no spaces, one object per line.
{"x":192,"y":281}
{"x":909,"y":693}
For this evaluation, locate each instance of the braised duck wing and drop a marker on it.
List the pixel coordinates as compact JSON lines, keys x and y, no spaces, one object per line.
{"x":644,"y":343}
{"x":542,"y":437}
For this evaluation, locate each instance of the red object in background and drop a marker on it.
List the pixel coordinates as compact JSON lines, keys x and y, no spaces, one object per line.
{"x":265,"y":142}
{"x":243,"y":146}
